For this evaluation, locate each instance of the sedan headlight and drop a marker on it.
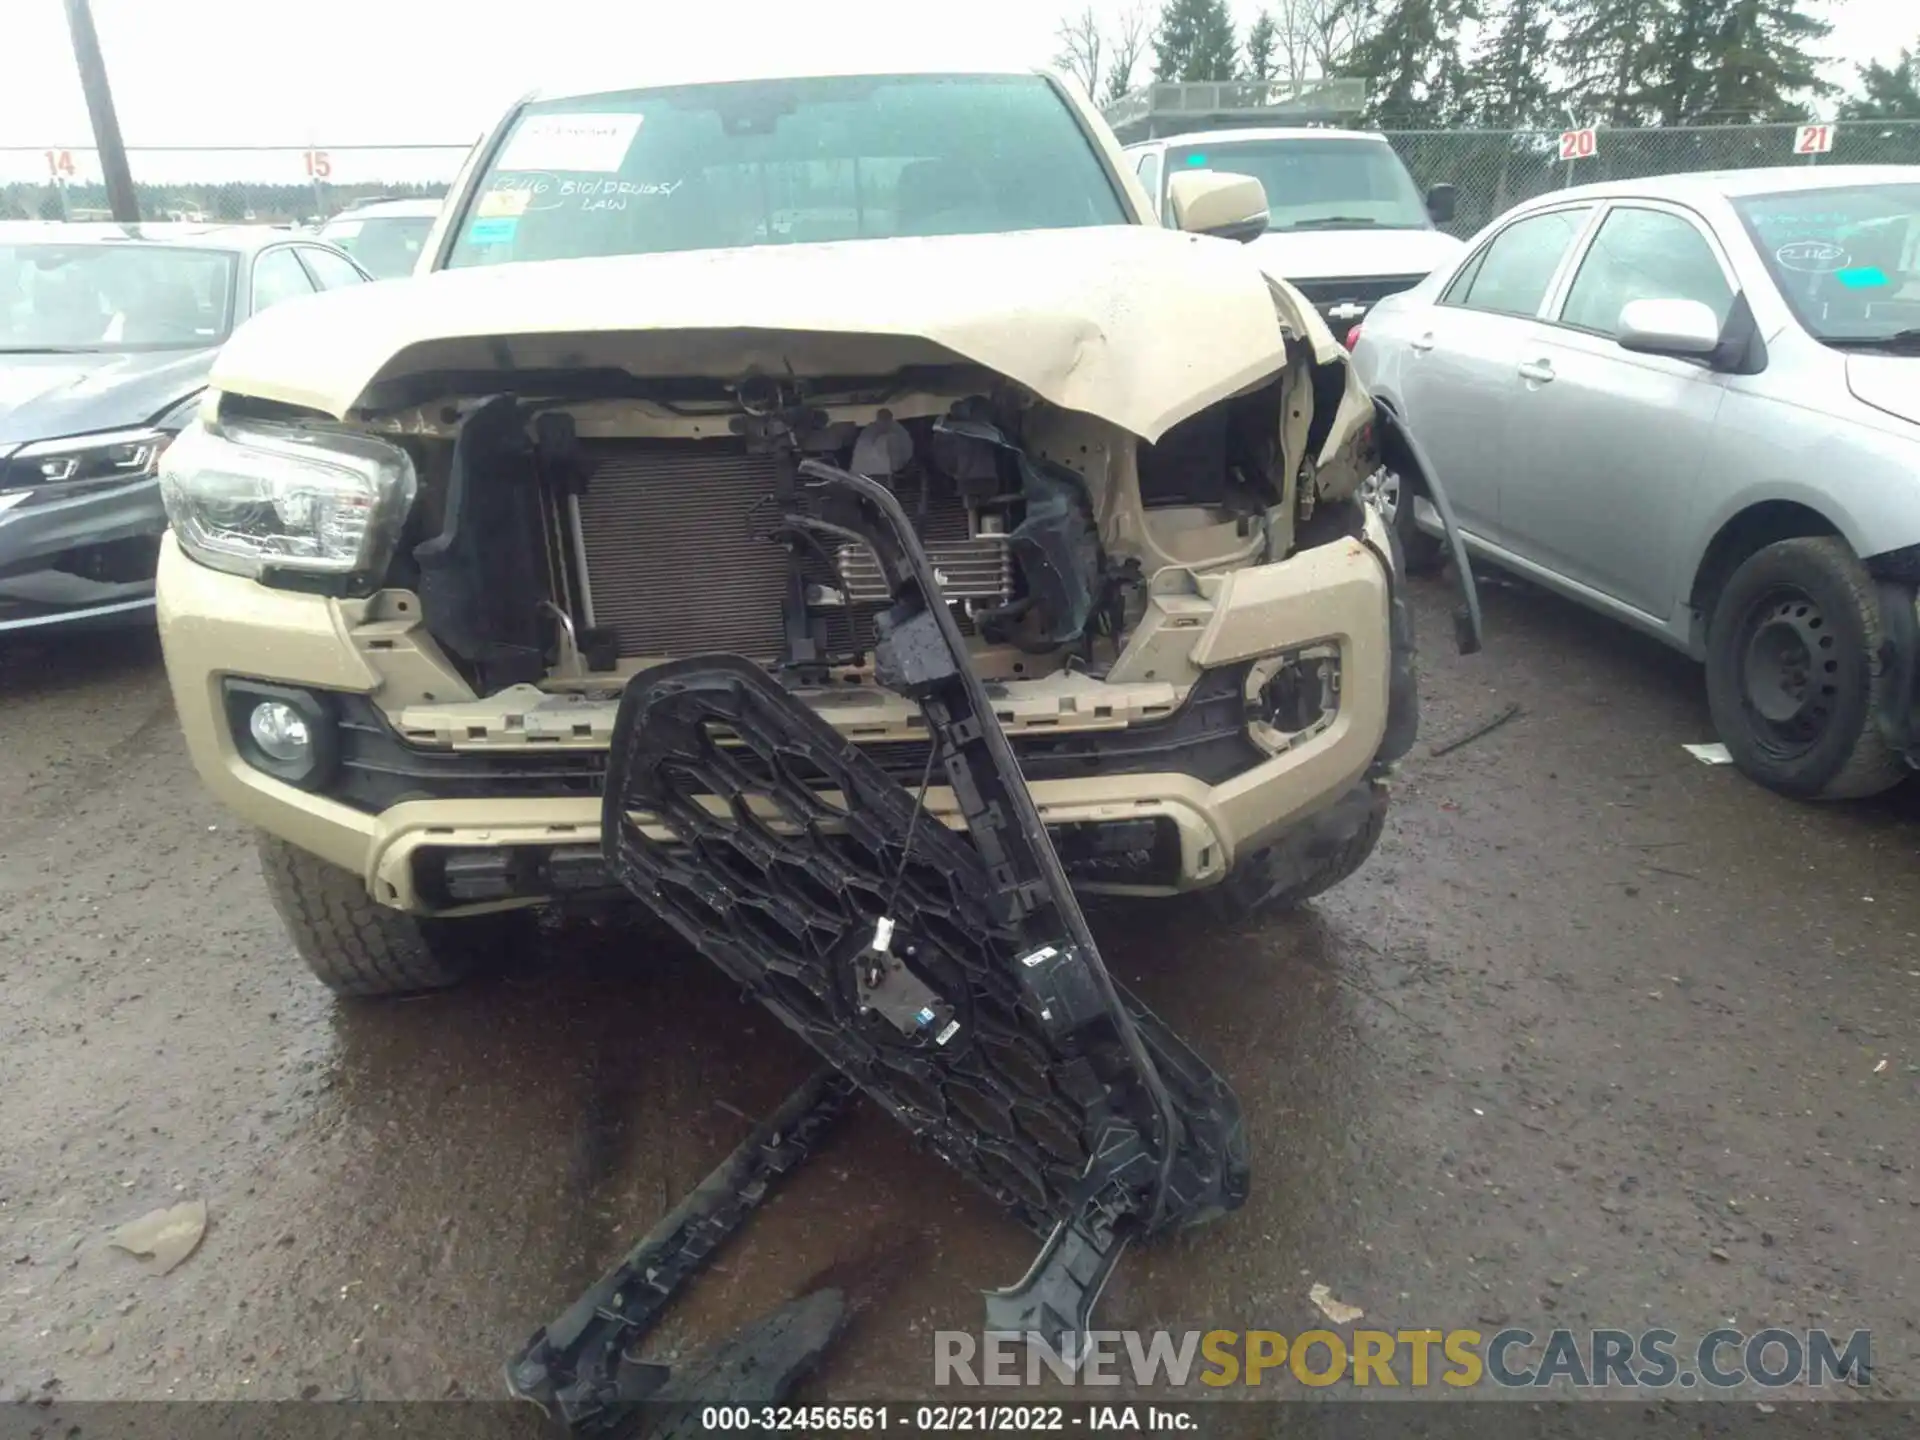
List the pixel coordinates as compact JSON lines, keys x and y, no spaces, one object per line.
{"x":57,"y":469}
{"x":254,"y":497}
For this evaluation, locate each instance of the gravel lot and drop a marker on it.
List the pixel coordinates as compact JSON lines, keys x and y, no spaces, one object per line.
{"x":1597,"y":1039}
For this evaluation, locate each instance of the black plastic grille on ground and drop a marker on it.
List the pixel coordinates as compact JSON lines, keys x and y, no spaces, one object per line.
{"x":784,"y":867}
{"x":792,"y":846}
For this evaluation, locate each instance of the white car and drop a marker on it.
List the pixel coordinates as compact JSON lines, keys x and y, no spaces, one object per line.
{"x":1693,"y":403}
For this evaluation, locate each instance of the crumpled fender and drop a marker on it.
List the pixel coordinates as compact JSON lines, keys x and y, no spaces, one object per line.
{"x":1344,"y":457}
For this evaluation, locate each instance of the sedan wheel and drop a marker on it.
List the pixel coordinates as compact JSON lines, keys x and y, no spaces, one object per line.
{"x":1790,"y":677}
{"x":1392,"y":497}
{"x":1381,"y":490}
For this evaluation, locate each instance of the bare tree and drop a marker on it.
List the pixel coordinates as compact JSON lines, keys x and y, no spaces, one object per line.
{"x":1131,"y":34}
{"x":1314,"y":36}
{"x":1082,"y":48}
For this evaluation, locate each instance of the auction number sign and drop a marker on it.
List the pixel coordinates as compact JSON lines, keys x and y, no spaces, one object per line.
{"x":319,"y":164}
{"x":60,"y":164}
{"x":1813,"y":140}
{"x":1579,"y":144}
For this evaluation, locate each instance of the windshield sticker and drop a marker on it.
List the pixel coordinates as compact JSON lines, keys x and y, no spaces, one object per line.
{"x":505,"y":203}
{"x":1862,"y":277}
{"x":1812,"y":257}
{"x":530,"y":193}
{"x":498,"y":230}
{"x":571,"y":142}
{"x":1196,"y":160}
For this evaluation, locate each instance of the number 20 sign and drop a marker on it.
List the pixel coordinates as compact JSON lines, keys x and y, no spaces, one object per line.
{"x":1578,"y":144}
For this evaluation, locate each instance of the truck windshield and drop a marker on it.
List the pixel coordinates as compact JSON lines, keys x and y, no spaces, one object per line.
{"x":1319,"y":184}
{"x":1847,"y":259}
{"x":784,"y":162}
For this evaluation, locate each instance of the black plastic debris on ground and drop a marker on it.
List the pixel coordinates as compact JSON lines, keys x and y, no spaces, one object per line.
{"x":949,"y":976}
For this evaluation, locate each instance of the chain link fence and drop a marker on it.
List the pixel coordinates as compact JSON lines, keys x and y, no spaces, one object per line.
{"x":273,"y":185}
{"x":1492,"y":170}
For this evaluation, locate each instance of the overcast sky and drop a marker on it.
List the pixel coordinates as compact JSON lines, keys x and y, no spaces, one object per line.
{"x":343,"y":72}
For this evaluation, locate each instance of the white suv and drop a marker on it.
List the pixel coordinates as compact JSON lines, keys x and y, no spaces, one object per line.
{"x":1347,"y":226}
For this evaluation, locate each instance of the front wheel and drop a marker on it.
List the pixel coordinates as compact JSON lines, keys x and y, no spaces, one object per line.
{"x":1392,"y":493}
{"x":1792,"y":675}
{"x":358,"y":947}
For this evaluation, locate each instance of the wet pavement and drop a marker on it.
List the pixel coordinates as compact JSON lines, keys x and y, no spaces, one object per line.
{"x":1601,"y":1037}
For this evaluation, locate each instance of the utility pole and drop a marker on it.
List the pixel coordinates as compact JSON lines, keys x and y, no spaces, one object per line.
{"x":106,"y":125}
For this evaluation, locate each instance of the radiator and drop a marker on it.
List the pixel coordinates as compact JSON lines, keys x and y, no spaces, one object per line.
{"x":672,"y":540}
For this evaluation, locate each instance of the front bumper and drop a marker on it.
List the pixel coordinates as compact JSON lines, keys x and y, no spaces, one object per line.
{"x":214,"y":626}
{"x":85,"y":559}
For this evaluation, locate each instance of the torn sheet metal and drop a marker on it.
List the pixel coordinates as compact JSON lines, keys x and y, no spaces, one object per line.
{"x":1135,"y":324}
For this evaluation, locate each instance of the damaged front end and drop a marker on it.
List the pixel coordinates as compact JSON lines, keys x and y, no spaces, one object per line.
{"x":781,"y":628}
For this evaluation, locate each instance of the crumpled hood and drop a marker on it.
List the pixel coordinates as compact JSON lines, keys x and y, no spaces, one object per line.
{"x":1135,"y":324}
{"x":1886,"y":382}
{"x":46,"y":397}
{"x":1354,"y":254}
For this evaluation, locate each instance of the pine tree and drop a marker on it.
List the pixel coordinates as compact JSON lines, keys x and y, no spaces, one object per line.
{"x":1611,"y":56}
{"x":1679,"y":88}
{"x":1887,"y":92}
{"x":1195,"y":41}
{"x":1508,"y":86}
{"x":1410,"y":57}
{"x":1760,"y":64}
{"x":1262,"y":39}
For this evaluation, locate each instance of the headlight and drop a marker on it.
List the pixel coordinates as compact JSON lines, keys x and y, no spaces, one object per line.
{"x":77,"y":462}
{"x":254,"y":497}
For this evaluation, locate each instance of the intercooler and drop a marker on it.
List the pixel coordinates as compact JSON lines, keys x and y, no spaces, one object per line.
{"x":673,"y":538}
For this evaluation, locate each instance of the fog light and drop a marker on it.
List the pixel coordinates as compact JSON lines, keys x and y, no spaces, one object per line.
{"x":281,"y":733}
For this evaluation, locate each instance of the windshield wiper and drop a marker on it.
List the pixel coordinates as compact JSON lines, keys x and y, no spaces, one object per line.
{"x":1901,"y":342}
{"x":1331,"y":222}
{"x":44,"y":350}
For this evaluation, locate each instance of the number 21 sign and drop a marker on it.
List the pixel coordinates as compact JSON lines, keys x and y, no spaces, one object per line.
{"x":1813,"y":140}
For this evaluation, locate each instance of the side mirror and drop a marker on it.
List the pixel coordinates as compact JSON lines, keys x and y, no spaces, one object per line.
{"x":1442,"y":201}
{"x":1211,"y":202}
{"x":1684,"y":329}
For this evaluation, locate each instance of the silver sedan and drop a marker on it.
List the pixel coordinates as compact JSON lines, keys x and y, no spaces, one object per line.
{"x":1692,"y":403}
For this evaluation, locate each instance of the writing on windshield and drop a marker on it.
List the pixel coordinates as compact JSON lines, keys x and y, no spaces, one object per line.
{"x":785,"y":162}
{"x":1846,"y":259}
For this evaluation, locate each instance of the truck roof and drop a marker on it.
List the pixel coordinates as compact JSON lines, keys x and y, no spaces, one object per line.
{"x":1263,"y":132}
{"x":1177,"y":107}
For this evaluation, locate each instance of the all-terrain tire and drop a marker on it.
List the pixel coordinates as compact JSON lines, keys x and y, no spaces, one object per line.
{"x":359,"y":947}
{"x":1287,"y":875}
{"x":1849,"y":757}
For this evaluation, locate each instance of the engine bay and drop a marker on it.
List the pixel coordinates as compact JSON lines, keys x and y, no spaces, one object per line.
{"x":565,"y":537}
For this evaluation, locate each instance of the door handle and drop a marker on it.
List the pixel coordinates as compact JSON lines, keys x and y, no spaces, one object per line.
{"x":1422,"y":343}
{"x":1538,"y":371}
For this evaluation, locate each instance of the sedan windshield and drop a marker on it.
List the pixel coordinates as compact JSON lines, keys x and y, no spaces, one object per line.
{"x":1318,"y":184}
{"x":113,"y":297}
{"x":385,"y":245}
{"x":1847,"y":259}
{"x":785,"y":162}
